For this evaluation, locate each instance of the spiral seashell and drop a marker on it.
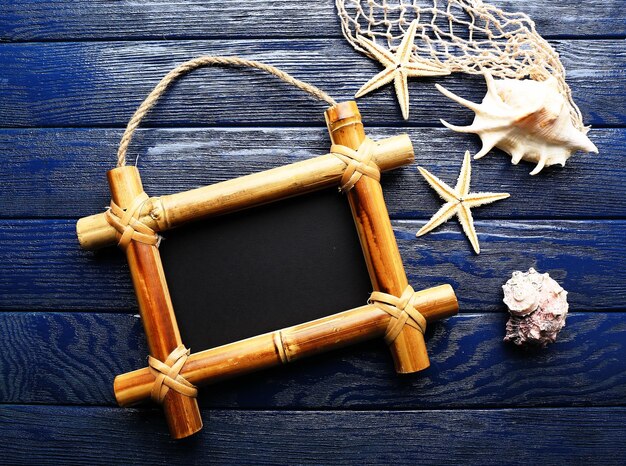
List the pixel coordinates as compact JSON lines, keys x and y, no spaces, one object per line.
{"x":529,"y":120}
{"x":522,"y":292}
{"x":538,"y":307}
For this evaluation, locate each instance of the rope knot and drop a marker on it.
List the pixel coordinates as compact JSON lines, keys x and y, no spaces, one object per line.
{"x":358,"y":163}
{"x":128,"y":225}
{"x":401,"y":311}
{"x":167,"y":375}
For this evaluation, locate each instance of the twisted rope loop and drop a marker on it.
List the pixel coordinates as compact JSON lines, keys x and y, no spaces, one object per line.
{"x":358,"y":163}
{"x":401,"y":310}
{"x":200,"y":62}
{"x":167,"y":375}
{"x":127,"y":224}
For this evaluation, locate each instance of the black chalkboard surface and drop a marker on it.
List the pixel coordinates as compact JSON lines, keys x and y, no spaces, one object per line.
{"x":266,"y":268}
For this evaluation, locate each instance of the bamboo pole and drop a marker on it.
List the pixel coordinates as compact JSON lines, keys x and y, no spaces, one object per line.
{"x":377,"y":238}
{"x":155,"y":305}
{"x":165,"y":212}
{"x":286,"y":345}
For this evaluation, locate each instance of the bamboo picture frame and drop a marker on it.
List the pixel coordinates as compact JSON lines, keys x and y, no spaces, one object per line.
{"x":394,"y":310}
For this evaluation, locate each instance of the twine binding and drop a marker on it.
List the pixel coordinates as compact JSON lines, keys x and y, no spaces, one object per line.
{"x":401,"y":311}
{"x":167,"y":375}
{"x":358,"y":163}
{"x":127,"y":223}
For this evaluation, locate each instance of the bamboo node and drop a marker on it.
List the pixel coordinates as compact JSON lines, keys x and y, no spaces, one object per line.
{"x":401,"y":310}
{"x":128,"y":225}
{"x":280,"y":347}
{"x":358,"y":163}
{"x":167,"y":375}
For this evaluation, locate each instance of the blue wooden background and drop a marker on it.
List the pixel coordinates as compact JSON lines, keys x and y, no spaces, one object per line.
{"x":72,"y":73}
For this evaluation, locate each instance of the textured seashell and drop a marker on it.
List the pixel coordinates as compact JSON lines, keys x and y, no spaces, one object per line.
{"x":538,"y":307}
{"x":529,"y":120}
{"x":521,"y":292}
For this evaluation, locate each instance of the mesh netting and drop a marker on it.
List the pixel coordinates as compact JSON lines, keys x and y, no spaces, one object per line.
{"x":466,"y":36}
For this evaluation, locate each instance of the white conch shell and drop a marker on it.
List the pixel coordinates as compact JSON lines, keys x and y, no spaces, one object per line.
{"x":529,"y":120}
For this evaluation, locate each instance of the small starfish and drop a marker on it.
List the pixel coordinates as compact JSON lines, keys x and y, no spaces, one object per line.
{"x":459,"y":201}
{"x":398,"y":67}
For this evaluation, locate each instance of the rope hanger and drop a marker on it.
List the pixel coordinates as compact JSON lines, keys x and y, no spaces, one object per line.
{"x":126,"y":221}
{"x":201,"y":62}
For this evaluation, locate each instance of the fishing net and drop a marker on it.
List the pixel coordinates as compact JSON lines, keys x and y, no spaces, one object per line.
{"x":465,"y":36}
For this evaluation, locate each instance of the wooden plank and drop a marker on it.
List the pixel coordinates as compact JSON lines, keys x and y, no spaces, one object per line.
{"x":164,"y":19}
{"x":101,"y":84}
{"x":72,"y":358}
{"x":72,"y":435}
{"x":42,"y":267}
{"x":45,"y":167}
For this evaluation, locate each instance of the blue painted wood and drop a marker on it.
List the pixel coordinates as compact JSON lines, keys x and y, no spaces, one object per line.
{"x":96,"y":70}
{"x":70,"y":435}
{"x":60,"y":172}
{"x":164,"y":19}
{"x":101,"y":84}
{"x":42,"y":266}
{"x":72,"y":358}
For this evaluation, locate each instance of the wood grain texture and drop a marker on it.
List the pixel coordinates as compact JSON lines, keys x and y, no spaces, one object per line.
{"x":72,"y":358}
{"x":70,"y":435}
{"x":92,"y":69}
{"x":45,"y":168}
{"x":101,"y":84}
{"x":167,"y":19}
{"x":42,"y":267}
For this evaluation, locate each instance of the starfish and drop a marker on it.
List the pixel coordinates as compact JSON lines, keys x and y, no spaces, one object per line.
{"x":459,"y":201}
{"x":398,"y":67}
